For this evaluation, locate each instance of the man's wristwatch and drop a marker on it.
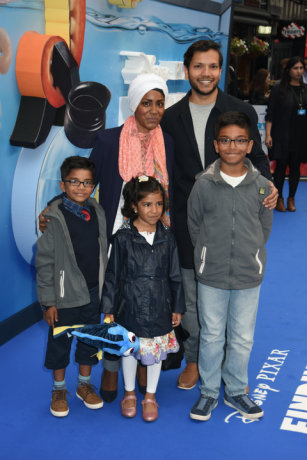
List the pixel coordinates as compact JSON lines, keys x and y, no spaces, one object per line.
{"x":44,"y":308}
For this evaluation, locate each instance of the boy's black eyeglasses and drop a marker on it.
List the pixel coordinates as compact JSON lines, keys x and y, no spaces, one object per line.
{"x":76,"y":183}
{"x":239,"y":143}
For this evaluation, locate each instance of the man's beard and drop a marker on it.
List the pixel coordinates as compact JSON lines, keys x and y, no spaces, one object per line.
{"x":202,"y":93}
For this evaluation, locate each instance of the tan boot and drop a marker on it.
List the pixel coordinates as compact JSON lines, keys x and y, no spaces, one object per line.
{"x":86,"y":392}
{"x":290,"y":205}
{"x":280,"y":206}
{"x":188,"y":377}
{"x":59,"y":406}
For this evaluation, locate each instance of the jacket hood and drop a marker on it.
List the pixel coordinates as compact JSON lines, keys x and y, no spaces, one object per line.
{"x":213,"y":172}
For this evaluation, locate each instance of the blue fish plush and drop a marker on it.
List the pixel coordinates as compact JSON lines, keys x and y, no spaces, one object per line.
{"x":112,"y":338}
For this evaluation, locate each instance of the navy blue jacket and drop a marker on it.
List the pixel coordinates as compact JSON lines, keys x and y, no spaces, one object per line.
{"x":105,"y":157}
{"x":143,"y":283}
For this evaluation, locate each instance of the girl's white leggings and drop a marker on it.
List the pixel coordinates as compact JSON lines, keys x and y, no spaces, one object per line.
{"x":129,"y":364}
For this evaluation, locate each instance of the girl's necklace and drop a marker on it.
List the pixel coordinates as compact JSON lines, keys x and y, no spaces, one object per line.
{"x":300,"y":100}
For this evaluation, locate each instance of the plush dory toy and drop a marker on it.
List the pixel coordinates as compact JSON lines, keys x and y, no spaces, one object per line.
{"x":112,"y":338}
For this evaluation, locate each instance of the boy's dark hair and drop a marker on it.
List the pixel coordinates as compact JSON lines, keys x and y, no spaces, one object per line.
{"x":77,"y":162}
{"x":134,"y":191}
{"x":202,"y":45}
{"x":233,"y":118}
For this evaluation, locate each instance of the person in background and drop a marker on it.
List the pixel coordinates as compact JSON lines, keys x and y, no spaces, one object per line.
{"x":233,"y":86}
{"x":286,"y":125}
{"x":258,"y":88}
{"x":305,"y":71}
{"x":282,"y":65}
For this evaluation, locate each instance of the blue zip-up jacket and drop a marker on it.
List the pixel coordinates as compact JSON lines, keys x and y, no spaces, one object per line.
{"x":143,"y":283}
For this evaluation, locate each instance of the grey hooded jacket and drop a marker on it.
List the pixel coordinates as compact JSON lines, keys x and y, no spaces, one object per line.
{"x":59,"y":279}
{"x":229,"y":228}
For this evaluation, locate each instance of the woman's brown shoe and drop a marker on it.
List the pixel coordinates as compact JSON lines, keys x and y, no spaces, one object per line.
{"x":188,"y":377}
{"x":290,"y":205}
{"x":280,"y":206}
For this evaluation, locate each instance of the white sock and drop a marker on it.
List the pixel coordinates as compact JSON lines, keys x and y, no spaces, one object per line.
{"x":129,"y":364}
{"x":153,"y":374}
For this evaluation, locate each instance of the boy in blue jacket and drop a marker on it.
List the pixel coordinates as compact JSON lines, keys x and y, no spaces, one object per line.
{"x":229,"y":227}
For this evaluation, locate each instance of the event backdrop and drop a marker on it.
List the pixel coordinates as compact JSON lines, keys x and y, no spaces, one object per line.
{"x":29,"y":177}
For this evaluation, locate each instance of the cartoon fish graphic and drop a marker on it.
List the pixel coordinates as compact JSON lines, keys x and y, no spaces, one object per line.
{"x":112,"y":338}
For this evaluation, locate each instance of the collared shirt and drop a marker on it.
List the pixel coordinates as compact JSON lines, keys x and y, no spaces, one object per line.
{"x":81,"y":211}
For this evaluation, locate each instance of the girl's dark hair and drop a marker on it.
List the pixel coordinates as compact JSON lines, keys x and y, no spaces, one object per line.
{"x":285,"y":79}
{"x":258,"y":82}
{"x":134,"y":191}
{"x":233,"y":118}
{"x":77,"y":162}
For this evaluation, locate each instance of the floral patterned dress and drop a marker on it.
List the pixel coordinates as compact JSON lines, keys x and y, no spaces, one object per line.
{"x":153,"y":350}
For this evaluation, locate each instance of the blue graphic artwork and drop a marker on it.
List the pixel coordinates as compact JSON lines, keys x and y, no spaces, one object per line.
{"x":180,"y":33}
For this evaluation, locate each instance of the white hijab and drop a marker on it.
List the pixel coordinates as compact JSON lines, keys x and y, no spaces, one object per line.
{"x":141,"y":85}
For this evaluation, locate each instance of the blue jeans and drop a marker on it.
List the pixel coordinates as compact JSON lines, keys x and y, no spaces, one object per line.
{"x":236,"y":309}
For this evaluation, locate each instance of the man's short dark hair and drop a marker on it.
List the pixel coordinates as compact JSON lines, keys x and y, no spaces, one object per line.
{"x":77,"y":162}
{"x":233,"y":118}
{"x":202,"y":45}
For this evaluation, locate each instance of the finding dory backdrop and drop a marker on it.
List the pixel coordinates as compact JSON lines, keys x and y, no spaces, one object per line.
{"x":116,"y":31}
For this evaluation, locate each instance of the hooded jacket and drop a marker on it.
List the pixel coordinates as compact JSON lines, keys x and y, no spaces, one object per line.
{"x":59,"y":279}
{"x":143,"y":283}
{"x":229,"y":228}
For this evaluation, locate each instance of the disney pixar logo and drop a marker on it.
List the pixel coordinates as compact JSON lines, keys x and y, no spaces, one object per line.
{"x":293,"y":31}
{"x":269,"y":372}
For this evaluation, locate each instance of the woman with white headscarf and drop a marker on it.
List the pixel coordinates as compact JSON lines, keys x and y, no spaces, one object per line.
{"x":138,"y":147}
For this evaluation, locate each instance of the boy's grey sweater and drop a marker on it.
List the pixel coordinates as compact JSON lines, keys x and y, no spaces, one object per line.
{"x":229,"y":228}
{"x":59,"y":279}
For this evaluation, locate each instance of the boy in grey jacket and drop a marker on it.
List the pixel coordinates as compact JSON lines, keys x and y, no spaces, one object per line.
{"x":70,"y":260}
{"x":229,"y":227}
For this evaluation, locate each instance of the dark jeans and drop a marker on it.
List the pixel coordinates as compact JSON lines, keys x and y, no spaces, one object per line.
{"x":294,"y":173}
{"x":58,"y":350}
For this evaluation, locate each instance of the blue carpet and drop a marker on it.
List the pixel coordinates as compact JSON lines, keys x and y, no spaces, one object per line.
{"x":29,"y":431}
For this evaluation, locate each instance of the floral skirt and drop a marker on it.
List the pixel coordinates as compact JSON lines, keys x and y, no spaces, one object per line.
{"x":155,"y":350}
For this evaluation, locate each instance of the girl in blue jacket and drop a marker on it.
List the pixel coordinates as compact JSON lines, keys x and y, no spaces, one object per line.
{"x":143,"y":288}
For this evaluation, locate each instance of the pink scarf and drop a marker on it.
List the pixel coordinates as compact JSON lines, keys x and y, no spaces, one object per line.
{"x":143,"y":154}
